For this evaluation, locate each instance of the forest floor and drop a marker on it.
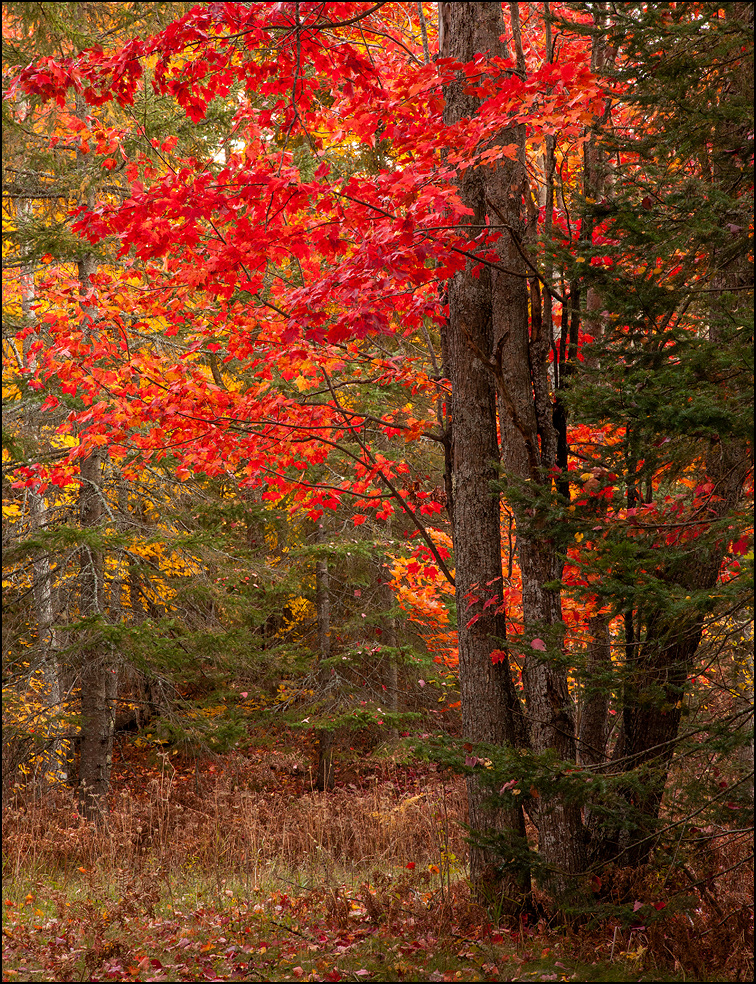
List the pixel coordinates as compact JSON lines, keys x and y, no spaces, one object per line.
{"x":234,"y":868}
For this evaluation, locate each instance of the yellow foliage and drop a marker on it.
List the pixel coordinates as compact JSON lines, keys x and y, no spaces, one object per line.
{"x":31,"y":717}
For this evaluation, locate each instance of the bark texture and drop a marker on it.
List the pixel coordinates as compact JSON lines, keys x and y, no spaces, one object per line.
{"x":490,"y":707}
{"x":497,"y":353}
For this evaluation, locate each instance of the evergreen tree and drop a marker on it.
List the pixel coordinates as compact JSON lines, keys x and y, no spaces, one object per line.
{"x":669,"y":373}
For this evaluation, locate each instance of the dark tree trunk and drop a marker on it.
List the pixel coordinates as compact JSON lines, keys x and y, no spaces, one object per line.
{"x":551,"y":719}
{"x":497,"y":354}
{"x":490,"y":707}
{"x":594,"y":706}
{"x":656,"y":686}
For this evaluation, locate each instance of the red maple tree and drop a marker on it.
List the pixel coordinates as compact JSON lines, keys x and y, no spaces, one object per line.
{"x":278,"y":304}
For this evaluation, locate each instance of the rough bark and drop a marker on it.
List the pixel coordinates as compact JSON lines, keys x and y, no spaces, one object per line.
{"x":594,"y":727}
{"x":490,"y":707}
{"x":550,"y":709}
{"x":529,"y":452}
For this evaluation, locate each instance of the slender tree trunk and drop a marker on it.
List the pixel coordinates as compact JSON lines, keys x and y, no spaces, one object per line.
{"x":562,"y":839}
{"x":744,"y":703}
{"x":324,"y":778}
{"x":656,"y":683}
{"x":388,"y":634}
{"x":529,"y":453}
{"x":389,"y":640}
{"x":594,"y":710}
{"x":490,"y":707}
{"x":53,"y":764}
{"x":98,"y":676}
{"x":594,"y":707}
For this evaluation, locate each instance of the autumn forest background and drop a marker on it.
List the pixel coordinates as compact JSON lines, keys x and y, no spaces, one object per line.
{"x":378,"y":491}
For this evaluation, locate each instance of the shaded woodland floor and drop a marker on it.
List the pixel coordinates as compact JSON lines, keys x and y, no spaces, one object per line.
{"x":234,"y":868}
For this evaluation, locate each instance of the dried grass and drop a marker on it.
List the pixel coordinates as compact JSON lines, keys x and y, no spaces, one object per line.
{"x":239,"y":827}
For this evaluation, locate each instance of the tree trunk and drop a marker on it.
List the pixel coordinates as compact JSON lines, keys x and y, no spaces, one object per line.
{"x":744,"y":704}
{"x":562,"y":840}
{"x":95,"y":677}
{"x":498,"y":348}
{"x":389,"y":667}
{"x":98,"y":678}
{"x":324,"y":778}
{"x":53,"y":767}
{"x":594,"y":707}
{"x":655,"y":687}
{"x":53,"y":764}
{"x":490,"y":708}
